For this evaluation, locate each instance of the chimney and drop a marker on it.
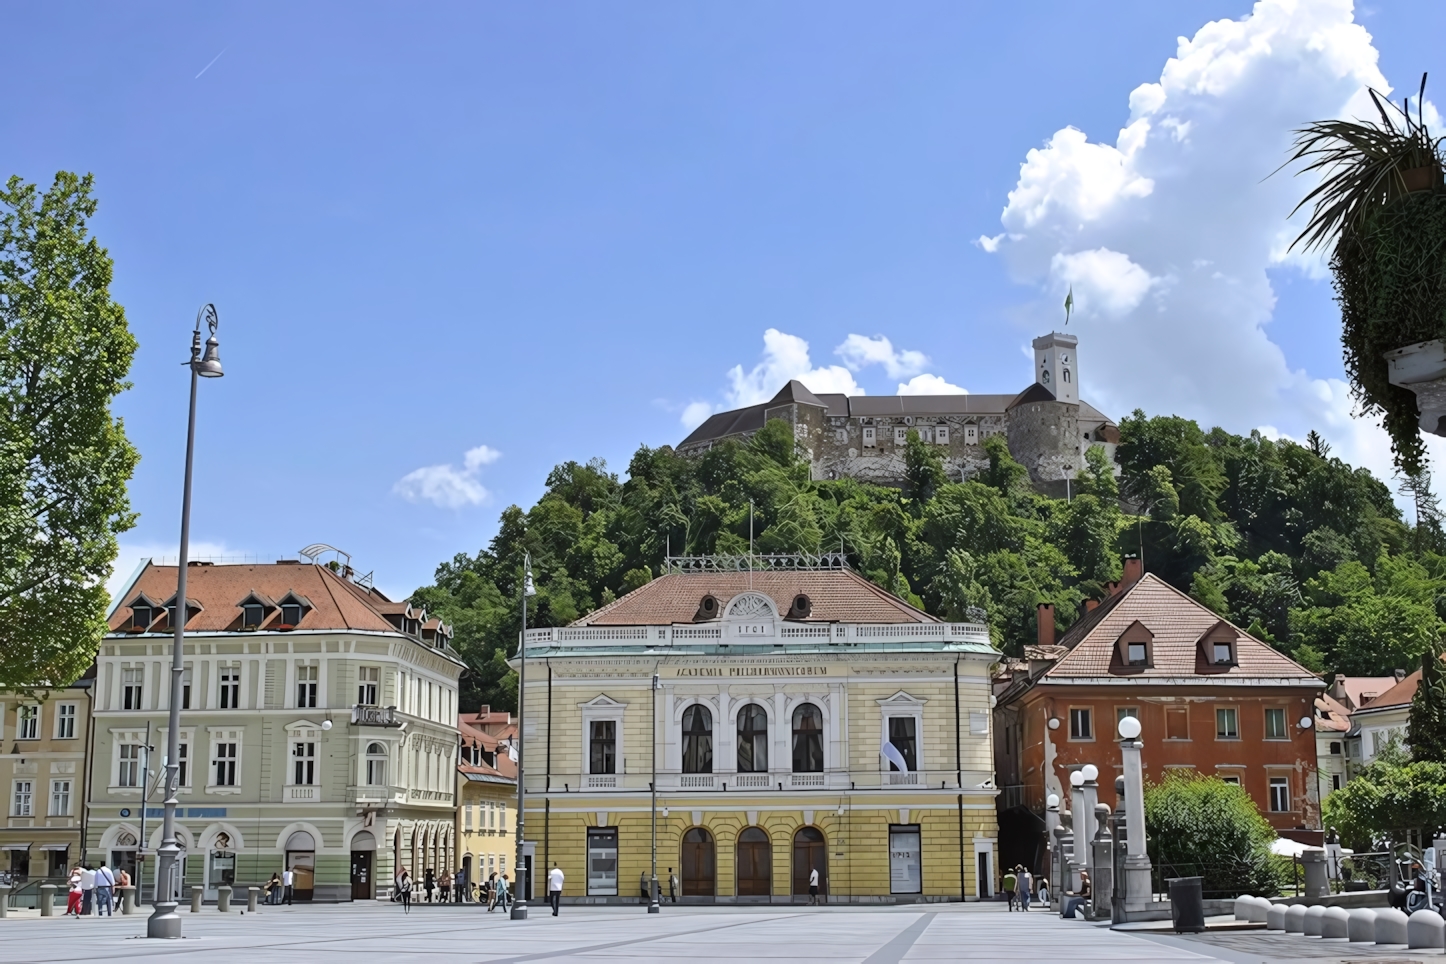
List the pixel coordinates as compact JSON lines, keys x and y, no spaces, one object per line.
{"x":1045,"y":619}
{"x":1091,"y":605}
{"x":1111,"y":588}
{"x":1134,"y":570}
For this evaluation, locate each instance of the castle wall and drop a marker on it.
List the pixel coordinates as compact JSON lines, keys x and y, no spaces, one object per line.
{"x":1045,"y":438}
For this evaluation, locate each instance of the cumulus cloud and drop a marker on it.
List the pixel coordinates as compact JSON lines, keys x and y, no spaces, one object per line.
{"x":695,"y":414}
{"x":1169,"y":233}
{"x":446,"y":485}
{"x":930,"y":385}
{"x":858,"y":352}
{"x":785,"y":357}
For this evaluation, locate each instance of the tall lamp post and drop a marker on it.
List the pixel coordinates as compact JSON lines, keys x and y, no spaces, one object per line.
{"x":519,"y":905}
{"x":653,"y":887}
{"x":164,"y":921}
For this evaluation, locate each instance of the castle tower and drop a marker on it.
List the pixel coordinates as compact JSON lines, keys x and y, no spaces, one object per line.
{"x":1056,"y":365}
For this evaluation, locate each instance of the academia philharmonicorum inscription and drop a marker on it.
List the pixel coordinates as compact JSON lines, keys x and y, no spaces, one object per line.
{"x":731,"y":671}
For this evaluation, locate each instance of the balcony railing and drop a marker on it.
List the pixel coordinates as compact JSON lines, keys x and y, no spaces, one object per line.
{"x":302,"y":794}
{"x":828,"y":781}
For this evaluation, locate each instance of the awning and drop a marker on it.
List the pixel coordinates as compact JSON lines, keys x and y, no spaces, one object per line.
{"x":55,"y":846}
{"x":15,"y":846}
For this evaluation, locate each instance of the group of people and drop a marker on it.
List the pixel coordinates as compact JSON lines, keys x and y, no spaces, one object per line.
{"x":672,"y":885}
{"x":93,"y":891}
{"x":278,"y":888}
{"x":494,"y":890}
{"x":1021,"y":887}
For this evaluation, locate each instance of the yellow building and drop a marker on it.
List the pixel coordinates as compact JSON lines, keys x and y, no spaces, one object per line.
{"x":486,"y":794}
{"x":772,"y":703}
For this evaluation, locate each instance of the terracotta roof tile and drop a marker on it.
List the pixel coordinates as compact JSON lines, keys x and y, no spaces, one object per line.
{"x":1177,"y":623}
{"x":836,"y":595}
{"x":1401,"y":693}
{"x":1359,"y":691}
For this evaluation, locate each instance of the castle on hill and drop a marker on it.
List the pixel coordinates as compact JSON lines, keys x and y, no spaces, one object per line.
{"x":1047,"y":427}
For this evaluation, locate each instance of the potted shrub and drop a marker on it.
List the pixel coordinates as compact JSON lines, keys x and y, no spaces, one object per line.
{"x":1381,"y":207}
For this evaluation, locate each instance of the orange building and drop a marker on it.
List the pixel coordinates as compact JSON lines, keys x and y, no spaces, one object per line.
{"x":1211,"y":699}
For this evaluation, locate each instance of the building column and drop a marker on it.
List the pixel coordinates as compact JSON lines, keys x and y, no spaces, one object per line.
{"x":1138,"y":894}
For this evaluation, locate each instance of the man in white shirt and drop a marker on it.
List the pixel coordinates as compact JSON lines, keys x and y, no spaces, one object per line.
{"x":813,"y":886}
{"x":104,"y":887}
{"x":554,"y":888}
{"x":87,"y":889}
{"x":286,"y":880}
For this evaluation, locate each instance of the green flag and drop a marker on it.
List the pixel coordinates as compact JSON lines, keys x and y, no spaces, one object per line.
{"x":1068,"y":304}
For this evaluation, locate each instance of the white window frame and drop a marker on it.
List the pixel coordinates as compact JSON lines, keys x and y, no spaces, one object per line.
{"x":870,"y":436}
{"x":66,"y":713}
{"x":1094,"y":725}
{"x":303,"y":758}
{"x":22,"y":801}
{"x":219,"y":736}
{"x":901,"y":434}
{"x":27,"y":721}
{"x":941,"y":434}
{"x":138,"y":683}
{"x":368,"y":687}
{"x":602,"y":708}
{"x":118,"y":739}
{"x":1274,"y":783}
{"x":367,"y":760}
{"x":901,"y":704}
{"x":63,"y":796}
{"x":1228,"y":738}
{"x":311,"y":670}
{"x":226,"y":667}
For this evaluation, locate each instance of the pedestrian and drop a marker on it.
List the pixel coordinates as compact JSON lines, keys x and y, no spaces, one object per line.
{"x":1008,"y":885}
{"x":429,"y":881}
{"x":504,"y":892}
{"x":1026,"y":887}
{"x":1079,"y":900}
{"x":672,"y":886}
{"x":72,"y":900}
{"x":288,"y":880}
{"x":273,"y":889}
{"x":87,"y":889}
{"x":404,"y":890}
{"x":104,"y":887}
{"x":813,"y":886}
{"x":554,"y":887}
{"x":460,"y":885}
{"x":489,"y":891}
{"x":643,"y":887}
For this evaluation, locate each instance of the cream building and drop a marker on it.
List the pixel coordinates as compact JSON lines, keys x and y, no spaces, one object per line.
{"x":776,"y":694}
{"x":318,"y":730}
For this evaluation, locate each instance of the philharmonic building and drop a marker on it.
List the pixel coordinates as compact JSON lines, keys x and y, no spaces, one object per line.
{"x":799,"y":718}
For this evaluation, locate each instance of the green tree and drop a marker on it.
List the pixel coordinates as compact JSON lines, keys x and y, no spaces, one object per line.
{"x":1389,"y":798}
{"x":1426,"y":728}
{"x":1203,"y":826}
{"x":66,"y":461}
{"x":923,"y":468}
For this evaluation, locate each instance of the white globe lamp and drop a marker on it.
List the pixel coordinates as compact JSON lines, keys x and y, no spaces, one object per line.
{"x":1076,"y":779}
{"x":1129,"y":728}
{"x":1052,"y":800}
{"x":1089,"y":772}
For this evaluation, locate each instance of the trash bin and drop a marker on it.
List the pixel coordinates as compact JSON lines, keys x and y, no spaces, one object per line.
{"x":1187,"y":904}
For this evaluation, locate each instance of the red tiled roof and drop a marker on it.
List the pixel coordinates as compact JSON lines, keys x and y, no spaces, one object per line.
{"x":836,"y":595}
{"x":1399,"y":694}
{"x":470,"y":733}
{"x":1177,"y":623}
{"x":336,"y":603}
{"x":1331,"y":715}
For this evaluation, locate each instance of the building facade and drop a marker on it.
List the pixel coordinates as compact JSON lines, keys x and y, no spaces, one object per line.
{"x":318,"y":730}
{"x":1047,"y":426}
{"x":486,"y":793}
{"x":43,"y":738}
{"x":799,"y":719}
{"x":1211,"y":699}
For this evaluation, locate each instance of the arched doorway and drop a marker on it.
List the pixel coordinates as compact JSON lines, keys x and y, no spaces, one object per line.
{"x":810,"y":853}
{"x":699,"y":866}
{"x":363,"y":865}
{"x":301,"y":861}
{"x":755,"y":863}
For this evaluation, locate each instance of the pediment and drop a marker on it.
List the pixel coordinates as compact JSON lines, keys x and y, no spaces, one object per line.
{"x":750,"y":605}
{"x":901,"y":699}
{"x":602,"y":701}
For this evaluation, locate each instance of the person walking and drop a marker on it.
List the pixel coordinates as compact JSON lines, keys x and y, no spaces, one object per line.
{"x":672,"y":886}
{"x":404,"y":890}
{"x":273,"y":889}
{"x":554,"y":887}
{"x":1007,"y":885}
{"x":643,"y":886}
{"x":503,"y":892}
{"x":72,"y":900}
{"x":429,"y":881}
{"x":813,"y":886}
{"x":87,"y":889}
{"x":1026,"y":887}
{"x":489,"y":891}
{"x":104,"y":888}
{"x":288,"y":879}
{"x":459,"y":885}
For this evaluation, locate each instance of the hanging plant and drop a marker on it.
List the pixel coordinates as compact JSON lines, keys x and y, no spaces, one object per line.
{"x":1381,"y":206}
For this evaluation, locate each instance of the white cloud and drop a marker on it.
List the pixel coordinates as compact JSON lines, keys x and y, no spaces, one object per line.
{"x":1169,"y":232}
{"x":785,"y":357}
{"x":930,"y":385}
{"x":859,"y":352}
{"x":695,"y":414}
{"x":446,"y":485}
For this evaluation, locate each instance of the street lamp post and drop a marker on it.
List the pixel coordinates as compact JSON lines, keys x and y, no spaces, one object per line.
{"x":519,"y":904}
{"x":653,"y":887}
{"x":1137,"y":887}
{"x":164,"y":921}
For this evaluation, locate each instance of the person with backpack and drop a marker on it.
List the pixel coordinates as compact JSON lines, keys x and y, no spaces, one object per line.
{"x":404,"y":890}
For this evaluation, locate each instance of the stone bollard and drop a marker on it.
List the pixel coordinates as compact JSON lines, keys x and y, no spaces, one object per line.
{"x":1310,"y":927}
{"x":1295,"y":919}
{"x":1335,"y":924}
{"x":4,"y":901}
{"x":197,"y":895}
{"x":1275,"y":917}
{"x":1426,"y":928}
{"x":1243,"y":904}
{"x":251,"y":894}
{"x":223,"y":899}
{"x":1390,"y":926}
{"x":1361,"y":928}
{"x":47,"y":900}
{"x":127,"y":900}
{"x":1259,"y":909}
{"x":1317,"y":883}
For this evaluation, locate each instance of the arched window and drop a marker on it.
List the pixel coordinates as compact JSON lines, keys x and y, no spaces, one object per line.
{"x":697,"y":739}
{"x":807,"y":739}
{"x":699,"y":865}
{"x":810,"y":853}
{"x":376,"y":765}
{"x":1044,"y":377}
{"x":752,"y":739}
{"x":1066,"y":376}
{"x":755,"y":863}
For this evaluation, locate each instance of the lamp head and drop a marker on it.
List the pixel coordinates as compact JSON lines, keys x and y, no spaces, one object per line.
{"x":1052,"y":800}
{"x":1089,"y":772}
{"x":528,"y":589}
{"x":1129,"y":727}
{"x":1076,"y":779}
{"x":326,"y":724}
{"x":1306,"y":722}
{"x":209,"y":364}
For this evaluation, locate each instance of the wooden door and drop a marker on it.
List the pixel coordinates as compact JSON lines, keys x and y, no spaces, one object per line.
{"x":699,"y":867}
{"x":755,"y":864}
{"x":810,"y":853}
{"x":361,"y":875}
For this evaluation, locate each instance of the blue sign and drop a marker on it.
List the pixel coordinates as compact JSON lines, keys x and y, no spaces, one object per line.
{"x":208,"y":812}
{"x":152,"y":812}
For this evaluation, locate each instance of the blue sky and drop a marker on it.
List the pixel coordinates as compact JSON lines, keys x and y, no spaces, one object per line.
{"x":549,"y":229}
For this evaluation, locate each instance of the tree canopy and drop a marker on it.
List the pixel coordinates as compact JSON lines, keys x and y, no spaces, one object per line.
{"x":64,"y":460}
{"x":1202,"y":826}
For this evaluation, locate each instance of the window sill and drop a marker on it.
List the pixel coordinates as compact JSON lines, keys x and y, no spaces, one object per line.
{"x":224,"y":791}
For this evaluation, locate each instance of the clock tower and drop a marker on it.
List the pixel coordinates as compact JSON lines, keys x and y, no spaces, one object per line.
{"x":1056,"y":366}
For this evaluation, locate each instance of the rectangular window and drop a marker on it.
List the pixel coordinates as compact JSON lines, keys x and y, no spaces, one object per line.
{"x":252,"y":615}
{"x":1227,"y":725}
{"x":131,"y":687}
{"x":905,"y":859}
{"x":27,"y":723}
{"x":1335,"y":781}
{"x":1279,"y":795}
{"x":141,"y":617}
{"x":903,"y":734}
{"x":366,"y":688}
{"x":1081,"y":724}
{"x":22,"y":803}
{"x":602,"y":861}
{"x":183,"y":768}
{"x":1233,"y":781}
{"x":65,"y":721}
{"x":1223,"y":654}
{"x":941,"y":434}
{"x":60,"y":798}
{"x":502,"y":817}
{"x":1138,"y":654}
{"x":1177,"y":723}
{"x":1275,"y":724}
{"x":1335,"y":749}
{"x":602,"y":740}
{"x":303,"y":763}
{"x":870,"y":436}
{"x":467,"y":819}
{"x":306,"y":677}
{"x":971,"y":435}
{"x":1123,"y":711}
{"x":230,"y":686}
{"x":224,"y":762}
{"x":130,"y":765}
{"x":290,"y":614}
{"x":901,"y":435}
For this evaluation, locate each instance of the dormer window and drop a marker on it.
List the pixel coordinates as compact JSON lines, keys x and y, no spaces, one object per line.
{"x":1218,"y":645}
{"x":291,"y":613}
{"x":192,"y":608}
{"x":1135,"y":648}
{"x":143,"y":612}
{"x":1138,"y":654}
{"x":293,"y":610}
{"x":252,"y":615}
{"x":1224,"y":653}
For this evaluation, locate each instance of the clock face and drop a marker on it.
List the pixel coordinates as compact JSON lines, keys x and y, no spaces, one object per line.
{"x":1064,"y":359}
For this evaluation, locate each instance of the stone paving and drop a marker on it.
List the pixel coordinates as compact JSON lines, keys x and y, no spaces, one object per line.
{"x":349,"y":933}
